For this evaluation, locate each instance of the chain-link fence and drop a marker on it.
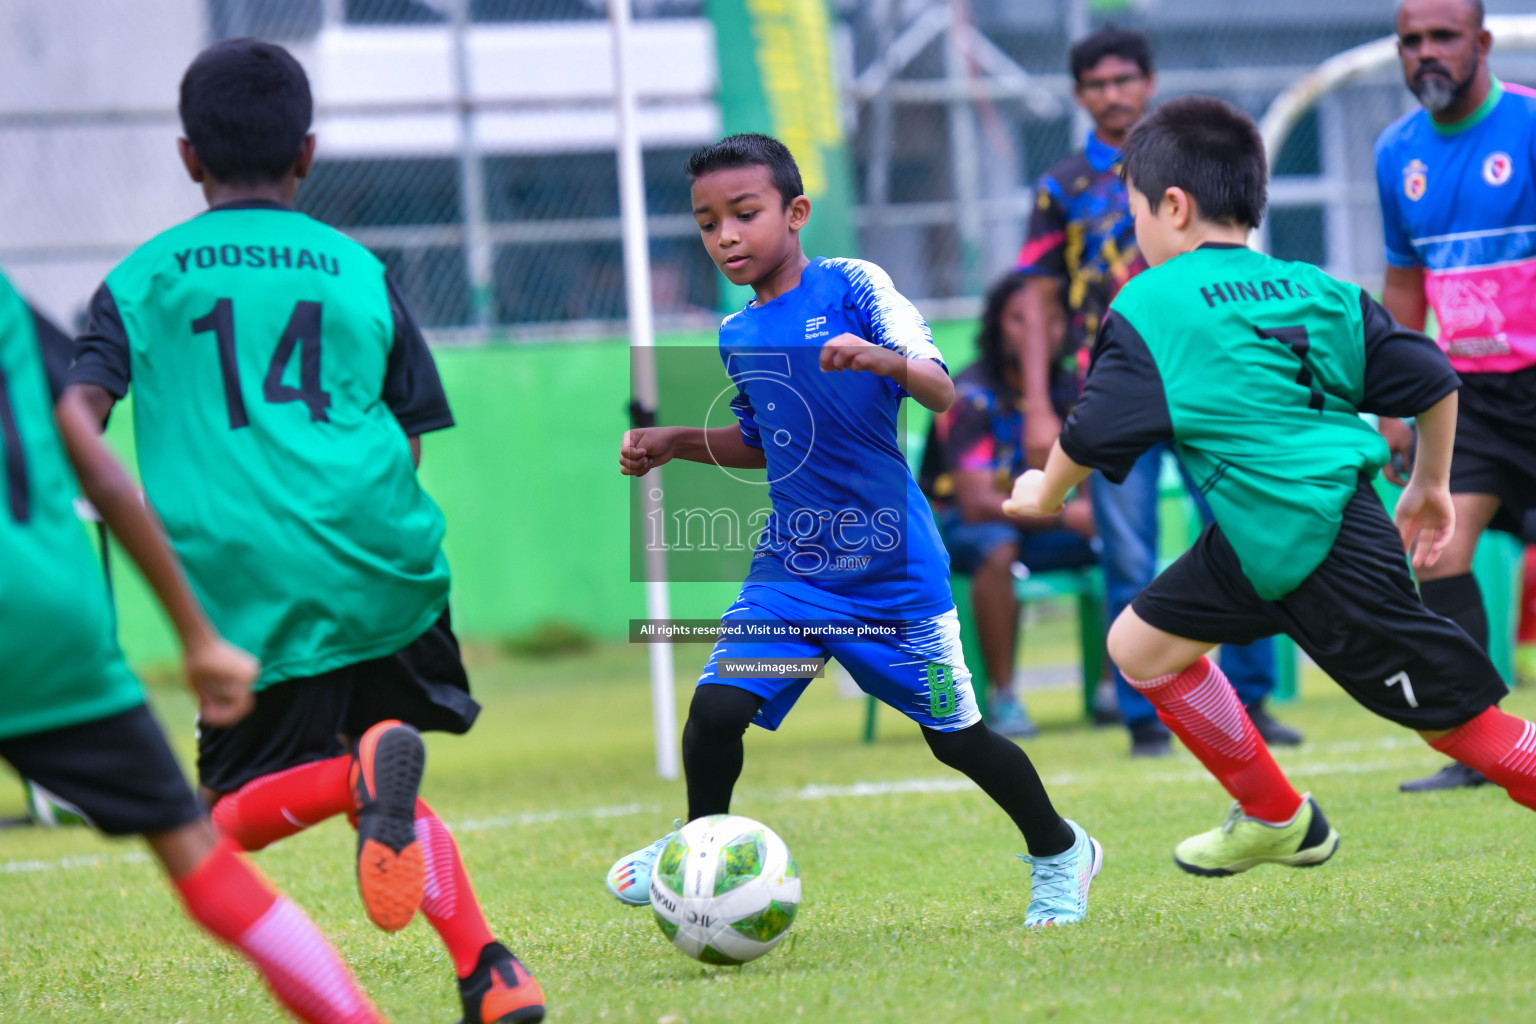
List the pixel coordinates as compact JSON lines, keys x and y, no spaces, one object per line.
{"x":470,"y":142}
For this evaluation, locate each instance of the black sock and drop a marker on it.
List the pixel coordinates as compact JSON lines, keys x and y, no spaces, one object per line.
{"x":1005,"y":773}
{"x":712,"y":749}
{"x":1459,"y":599}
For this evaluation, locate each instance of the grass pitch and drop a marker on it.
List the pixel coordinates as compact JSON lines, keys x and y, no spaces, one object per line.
{"x":913,"y":901}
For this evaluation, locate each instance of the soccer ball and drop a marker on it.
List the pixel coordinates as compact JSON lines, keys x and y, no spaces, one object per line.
{"x":49,"y":811}
{"x":725,"y":889}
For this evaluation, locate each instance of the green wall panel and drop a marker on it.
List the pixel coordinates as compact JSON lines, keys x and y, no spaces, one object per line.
{"x":537,"y":510}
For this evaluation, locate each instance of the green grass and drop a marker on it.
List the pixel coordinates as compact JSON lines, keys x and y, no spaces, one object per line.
{"x":913,"y":901}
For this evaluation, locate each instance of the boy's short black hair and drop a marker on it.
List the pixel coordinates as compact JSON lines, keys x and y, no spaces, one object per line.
{"x":1208,"y":148}
{"x":750,"y":149}
{"x":1110,"y":41}
{"x":246,"y":108}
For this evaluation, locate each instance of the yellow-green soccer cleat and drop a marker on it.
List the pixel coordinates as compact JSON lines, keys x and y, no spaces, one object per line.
{"x":1243,"y":842}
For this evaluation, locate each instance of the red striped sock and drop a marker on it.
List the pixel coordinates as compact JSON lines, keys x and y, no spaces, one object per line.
{"x":1202,"y":709}
{"x":449,"y":903}
{"x":1500,"y":746}
{"x":232,"y":900}
{"x":279,"y":805}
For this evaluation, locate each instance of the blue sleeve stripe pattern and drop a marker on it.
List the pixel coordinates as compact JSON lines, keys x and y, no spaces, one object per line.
{"x":1466,"y":250}
{"x":892,"y":320}
{"x":751,"y":436}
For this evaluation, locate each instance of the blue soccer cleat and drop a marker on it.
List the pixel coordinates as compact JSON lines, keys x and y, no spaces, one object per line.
{"x":630,"y":877}
{"x":1058,"y":886}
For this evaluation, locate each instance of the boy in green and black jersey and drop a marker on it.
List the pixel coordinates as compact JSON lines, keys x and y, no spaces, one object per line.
{"x":280,"y":388}
{"x":72,"y":715}
{"x":1257,"y":370}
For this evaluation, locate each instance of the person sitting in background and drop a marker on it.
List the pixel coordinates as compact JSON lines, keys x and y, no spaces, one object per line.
{"x":977,"y":449}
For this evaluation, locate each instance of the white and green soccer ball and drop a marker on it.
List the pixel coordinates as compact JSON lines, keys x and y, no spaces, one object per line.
{"x":49,"y":811}
{"x":725,"y":889}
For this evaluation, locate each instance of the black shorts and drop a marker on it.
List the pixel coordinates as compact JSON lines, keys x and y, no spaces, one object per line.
{"x":302,"y":720}
{"x":1357,"y":615}
{"x":1496,"y":446}
{"x":118,"y":772}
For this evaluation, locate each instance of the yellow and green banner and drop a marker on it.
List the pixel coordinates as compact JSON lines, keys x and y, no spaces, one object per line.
{"x":776,"y":77}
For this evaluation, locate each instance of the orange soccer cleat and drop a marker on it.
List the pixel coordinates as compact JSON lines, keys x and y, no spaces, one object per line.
{"x":500,"y":990}
{"x":385,"y":775}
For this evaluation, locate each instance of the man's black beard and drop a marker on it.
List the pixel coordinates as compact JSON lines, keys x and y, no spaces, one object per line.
{"x":1436,"y":96}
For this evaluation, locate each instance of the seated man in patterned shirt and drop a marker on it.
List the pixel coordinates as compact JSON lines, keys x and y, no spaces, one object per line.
{"x":977,"y":450}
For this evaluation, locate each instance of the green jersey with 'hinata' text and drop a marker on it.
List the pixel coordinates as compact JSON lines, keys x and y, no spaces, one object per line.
{"x":1257,"y":370}
{"x":275,"y":379}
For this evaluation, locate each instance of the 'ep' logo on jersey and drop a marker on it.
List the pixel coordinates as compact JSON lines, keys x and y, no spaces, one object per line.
{"x":1498,"y":168}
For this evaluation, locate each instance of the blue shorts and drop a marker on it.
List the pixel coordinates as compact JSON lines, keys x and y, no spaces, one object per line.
{"x":921,"y":672}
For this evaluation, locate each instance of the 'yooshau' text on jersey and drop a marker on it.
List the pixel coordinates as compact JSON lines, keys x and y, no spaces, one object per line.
{"x":1257,"y":369}
{"x":59,"y":660}
{"x":276,"y":376}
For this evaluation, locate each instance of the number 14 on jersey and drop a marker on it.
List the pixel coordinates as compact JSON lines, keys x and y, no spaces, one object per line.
{"x":302,"y":332}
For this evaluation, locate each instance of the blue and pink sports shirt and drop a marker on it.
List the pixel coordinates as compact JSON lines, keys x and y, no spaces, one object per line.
{"x":1459,"y":201}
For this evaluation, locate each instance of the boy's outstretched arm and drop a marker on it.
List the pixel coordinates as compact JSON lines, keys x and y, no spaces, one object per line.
{"x":1406,"y":374}
{"x":923,"y":378}
{"x":1043,"y":492}
{"x":1426,"y":516}
{"x":1123,"y":412}
{"x":645,"y":448}
{"x":95,"y":398}
{"x":893,"y":341}
{"x":219,"y":672}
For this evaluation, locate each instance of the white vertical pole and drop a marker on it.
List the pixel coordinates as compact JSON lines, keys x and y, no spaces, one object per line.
{"x":477,"y":243}
{"x":965,"y":163}
{"x":1076,"y":21}
{"x":642,"y":341}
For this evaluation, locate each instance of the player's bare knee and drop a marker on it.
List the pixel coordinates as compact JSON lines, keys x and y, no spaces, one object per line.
{"x":182,"y":849}
{"x":1123,"y":648}
{"x":1142,"y":651}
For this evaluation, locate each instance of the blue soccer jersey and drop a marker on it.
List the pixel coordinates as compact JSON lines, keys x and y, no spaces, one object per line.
{"x":1459,"y":201}
{"x":849,"y":530}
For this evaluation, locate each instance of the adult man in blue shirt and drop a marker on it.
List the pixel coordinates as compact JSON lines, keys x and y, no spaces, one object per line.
{"x":1457,"y":182}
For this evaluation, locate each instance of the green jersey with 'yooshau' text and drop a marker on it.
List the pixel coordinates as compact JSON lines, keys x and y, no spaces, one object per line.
{"x":276,"y":377}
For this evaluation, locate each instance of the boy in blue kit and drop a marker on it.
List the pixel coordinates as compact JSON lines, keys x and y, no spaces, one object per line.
{"x":821,"y":359}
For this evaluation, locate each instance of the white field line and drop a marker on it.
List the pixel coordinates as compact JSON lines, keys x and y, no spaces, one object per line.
{"x":811,"y":793}
{"x":544,"y":817}
{"x":21,"y":867}
{"x":960,"y":784}
{"x":948,"y":784}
